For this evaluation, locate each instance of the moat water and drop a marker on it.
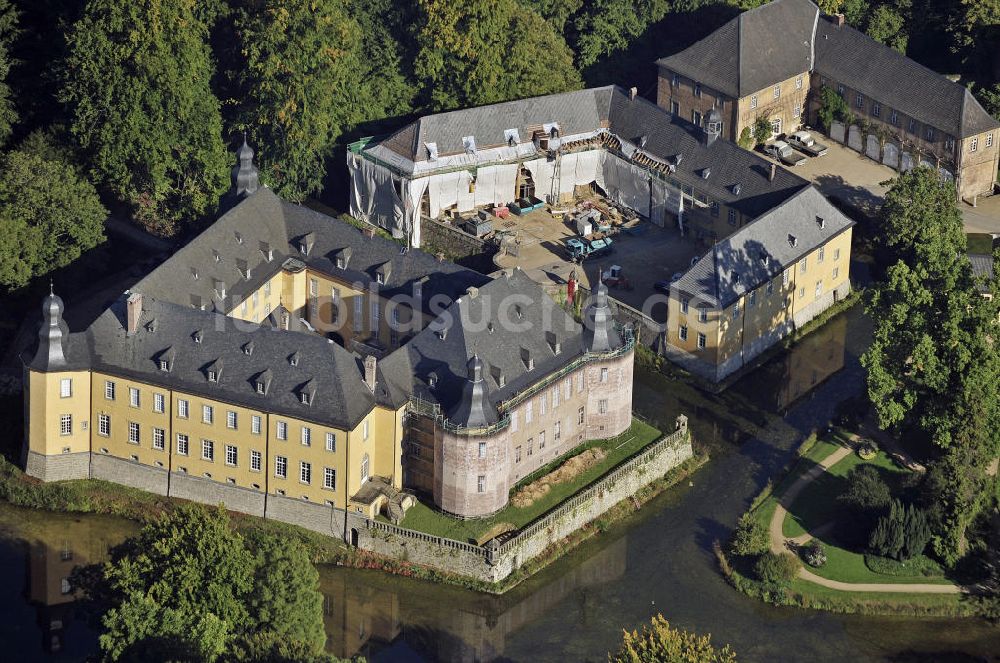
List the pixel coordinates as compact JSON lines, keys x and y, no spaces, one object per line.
{"x":659,"y":561}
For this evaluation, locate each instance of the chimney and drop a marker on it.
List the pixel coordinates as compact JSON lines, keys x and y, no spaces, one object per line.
{"x":838,"y":20}
{"x":368,"y":232}
{"x":632,"y":93}
{"x":774,"y":171}
{"x":134,"y":312}
{"x":370,"y":364}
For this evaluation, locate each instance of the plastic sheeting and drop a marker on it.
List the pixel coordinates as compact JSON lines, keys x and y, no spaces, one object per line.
{"x":626,"y":184}
{"x":496,"y":184}
{"x":374,"y":196}
{"x":666,"y":200}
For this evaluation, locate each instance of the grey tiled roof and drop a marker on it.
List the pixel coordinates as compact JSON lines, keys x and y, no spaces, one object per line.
{"x":233,"y":243}
{"x":762,"y":249}
{"x":753,"y":51}
{"x":610,"y":108}
{"x":982,"y":267}
{"x":500,"y":347}
{"x":855,"y":59}
{"x":575,"y":112}
{"x":341,"y":397}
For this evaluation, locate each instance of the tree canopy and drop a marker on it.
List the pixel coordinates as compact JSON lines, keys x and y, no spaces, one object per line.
{"x":49,"y":215}
{"x":137,"y":85}
{"x":474,"y":52}
{"x":661,"y":642}
{"x":188,"y":587}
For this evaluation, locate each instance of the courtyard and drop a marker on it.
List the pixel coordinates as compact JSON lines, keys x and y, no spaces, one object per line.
{"x":645,"y":252}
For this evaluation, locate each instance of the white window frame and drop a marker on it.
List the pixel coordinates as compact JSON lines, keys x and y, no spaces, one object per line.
{"x":134,"y":433}
{"x":330,"y":478}
{"x":109,"y":390}
{"x":482,"y":450}
{"x":702,"y":341}
{"x":974,"y":144}
{"x":331,"y":441}
{"x":255,"y":460}
{"x":281,"y":430}
{"x":281,"y":467}
{"x":682,"y":332}
{"x":159,"y":403}
{"x":183,"y":408}
{"x":208,"y":450}
{"x":233,"y":452}
{"x":134,"y":399}
{"x":481,"y":483}
{"x":104,"y":425}
{"x":232,"y":420}
{"x":306,"y":436}
{"x":255,"y":422}
{"x":65,"y":424}
{"x":207,"y":414}
{"x":66,"y":388}
{"x":183,"y":444}
{"x":753,"y":101}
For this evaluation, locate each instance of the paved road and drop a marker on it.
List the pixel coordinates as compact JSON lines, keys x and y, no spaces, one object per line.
{"x":779,"y":543}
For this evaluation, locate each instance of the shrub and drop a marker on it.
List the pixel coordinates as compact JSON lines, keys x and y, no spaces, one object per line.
{"x":867,"y":450}
{"x":866,"y":489}
{"x":919,"y":565}
{"x":661,"y":642}
{"x":814,"y":554}
{"x":777,"y":569}
{"x":746,"y":138}
{"x":902,"y":533}
{"x":831,"y":107}
{"x":762,"y":130}
{"x":751,"y":537}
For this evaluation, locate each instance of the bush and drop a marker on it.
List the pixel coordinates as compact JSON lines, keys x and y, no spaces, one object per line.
{"x":661,"y":642}
{"x":777,"y":569}
{"x":746,"y":138}
{"x":919,"y":565}
{"x":762,"y":130}
{"x":866,"y":490}
{"x":901,"y":534}
{"x":832,"y":107}
{"x":751,"y":537}
{"x":814,"y":554}
{"x":867,"y":450}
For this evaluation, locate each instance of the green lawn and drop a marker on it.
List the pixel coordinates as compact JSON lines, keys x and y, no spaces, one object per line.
{"x":424,"y":518}
{"x":832,"y":598}
{"x":848,"y":566}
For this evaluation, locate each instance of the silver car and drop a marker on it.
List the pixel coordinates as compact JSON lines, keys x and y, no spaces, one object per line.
{"x":804,"y":142}
{"x":784,"y":153}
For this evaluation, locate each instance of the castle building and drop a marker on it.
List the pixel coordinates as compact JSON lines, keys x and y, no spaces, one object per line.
{"x":772,"y":62}
{"x":286,"y":363}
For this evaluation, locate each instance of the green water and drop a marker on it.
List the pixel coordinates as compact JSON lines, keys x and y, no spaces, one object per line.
{"x":660,"y":561}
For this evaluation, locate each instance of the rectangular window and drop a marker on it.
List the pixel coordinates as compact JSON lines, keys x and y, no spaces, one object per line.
{"x":133,"y":397}
{"x":836,"y":273}
{"x":753,"y":101}
{"x":542,"y":403}
{"x":480,"y":483}
{"x":182,"y":408}
{"x":602,"y":406}
{"x":675,"y":108}
{"x":517,"y":454}
{"x":364,"y":430}
{"x":580,"y":416}
{"x":929,"y":133}
{"x":777,"y":91}
{"x":531,"y":446}
{"x":527,"y":412}
{"x":840,"y":89}
{"x":255,"y":424}
{"x":785,"y":276}
{"x":305,"y":472}
{"x":696,"y":118}
{"x":913,"y":127}
{"x":231,"y":455}
{"x":482,"y":450}
{"x":796,"y":111}
{"x":256,"y":298}
{"x":182,"y":444}
{"x":974,"y":144}
{"x":280,"y":467}
{"x":821,"y":255}
{"x":798,"y":82}
{"x":703,"y":315}
{"x":701,"y":341}
{"x":329,"y":478}
{"x":282,"y":430}
{"x":254,"y":460}
{"x":541,"y":440}
{"x":859,"y":101}
{"x":65,"y":387}
{"x":133,"y":432}
{"x":802,"y":292}
{"x":513,"y":421}
{"x":989,"y":140}
{"x":604,"y":375}
{"x":697,"y":90}
{"x":159,"y":439}
{"x":579,"y":382}
{"x":684,"y":305}
{"x":819,"y":288}
{"x":803,"y":265}
{"x":109,"y":390}
{"x":555,"y":397}
{"x":159,"y":403}
{"x":306,"y":436}
{"x":876,"y":109}
{"x":557,"y":431}
{"x":267,"y":288}
{"x":753,"y":299}
{"x":736,"y":311}
{"x":331,"y":441}
{"x":208,"y":450}
{"x":770,"y":287}
{"x":207,"y":414}
{"x":682,"y":332}
{"x":231,"y":420}
{"x":836,"y":255}
{"x":359,"y":311}
{"x":104,"y":424}
{"x":66,"y":424}
{"x":894,"y":118}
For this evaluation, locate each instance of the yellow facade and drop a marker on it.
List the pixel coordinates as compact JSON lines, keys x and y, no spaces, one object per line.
{"x":125,"y":427}
{"x":784,"y":102}
{"x":48,"y":405}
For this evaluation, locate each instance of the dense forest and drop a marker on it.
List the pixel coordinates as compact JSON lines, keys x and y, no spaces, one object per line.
{"x":133,"y":107}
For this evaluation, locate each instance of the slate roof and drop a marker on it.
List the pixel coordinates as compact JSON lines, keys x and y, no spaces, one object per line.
{"x":498,"y":345}
{"x":341,"y":397}
{"x":610,"y":108}
{"x":982,"y":267}
{"x":225,"y":249}
{"x":877,"y":71}
{"x":762,"y":249}
{"x":753,"y":51}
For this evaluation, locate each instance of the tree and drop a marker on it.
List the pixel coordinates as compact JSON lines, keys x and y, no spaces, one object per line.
{"x":607,"y":26}
{"x":751,"y":536}
{"x":762,"y":130}
{"x":832,"y":107}
{"x":296,"y":83}
{"x":888,"y":24}
{"x":902,"y":533}
{"x":777,"y":570}
{"x":137,"y":86}
{"x":188,"y":587}
{"x":49,"y":215}
{"x":473,"y":52}
{"x":8,"y":31}
{"x":866,"y":490}
{"x":661,"y":642}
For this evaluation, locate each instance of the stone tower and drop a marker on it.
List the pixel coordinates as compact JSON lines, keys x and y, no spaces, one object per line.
{"x":473,"y":409}
{"x":599,"y":333}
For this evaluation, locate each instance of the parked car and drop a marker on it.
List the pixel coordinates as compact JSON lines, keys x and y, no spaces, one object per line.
{"x":784,"y":153}
{"x":577,"y":249}
{"x":804,"y":142}
{"x":600,"y":247}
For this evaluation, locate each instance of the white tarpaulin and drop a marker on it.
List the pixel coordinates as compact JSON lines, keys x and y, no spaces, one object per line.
{"x":374,"y":195}
{"x":579,"y":169}
{"x":626,"y":184}
{"x":415,"y":194}
{"x":666,"y":200}
{"x":496,"y":184}
{"x":541,"y":173}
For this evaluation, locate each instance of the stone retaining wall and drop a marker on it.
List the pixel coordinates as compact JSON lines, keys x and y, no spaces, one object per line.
{"x":129,"y":473}
{"x":58,"y":468}
{"x":207,"y":491}
{"x":454,"y":243}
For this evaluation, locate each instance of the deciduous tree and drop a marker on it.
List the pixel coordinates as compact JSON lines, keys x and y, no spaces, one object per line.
{"x":137,"y":87}
{"x":661,"y":642}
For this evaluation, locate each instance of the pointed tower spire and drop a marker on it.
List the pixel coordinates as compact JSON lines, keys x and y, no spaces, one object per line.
{"x":245,"y":176}
{"x":599,"y":333}
{"x":51,"y":353}
{"x":473,"y":410}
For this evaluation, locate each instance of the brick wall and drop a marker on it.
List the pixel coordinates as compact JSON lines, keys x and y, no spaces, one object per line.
{"x":60,"y":467}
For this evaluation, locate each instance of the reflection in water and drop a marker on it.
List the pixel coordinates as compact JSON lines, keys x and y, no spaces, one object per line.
{"x":784,"y":380}
{"x":366,"y":613}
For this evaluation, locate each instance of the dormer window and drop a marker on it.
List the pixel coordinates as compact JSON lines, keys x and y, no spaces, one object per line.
{"x":304,"y":398}
{"x":512,"y":136}
{"x":736,"y":277}
{"x":469,"y":143}
{"x":267,"y":251}
{"x":529,"y":361}
{"x":553,"y":342}
{"x":243,"y":267}
{"x":793,"y":241}
{"x":216,"y":256}
{"x":194,"y":273}
{"x":248,"y":348}
{"x":293,"y":359}
{"x":213,"y":376}
{"x":341,"y":263}
{"x":432,"y":151}
{"x":442,"y":333}
{"x":737,"y":188}
{"x":418,"y":290}
{"x":260,"y":387}
{"x":151,"y":325}
{"x":197,"y":336}
{"x":705,"y":173}
{"x":239,"y":238}
{"x":432,"y":380}
{"x":380,"y":278}
{"x":164,"y":365}
{"x":306,"y":243}
{"x":498,"y":376}
{"x":262,"y":382}
{"x":518,"y":312}
{"x":220,"y":289}
{"x":821,"y":222}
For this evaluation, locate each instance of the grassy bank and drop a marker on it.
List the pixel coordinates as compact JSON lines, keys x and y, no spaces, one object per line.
{"x":424,"y":518}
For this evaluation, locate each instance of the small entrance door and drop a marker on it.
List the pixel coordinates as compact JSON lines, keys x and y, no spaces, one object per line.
{"x":354,"y":537}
